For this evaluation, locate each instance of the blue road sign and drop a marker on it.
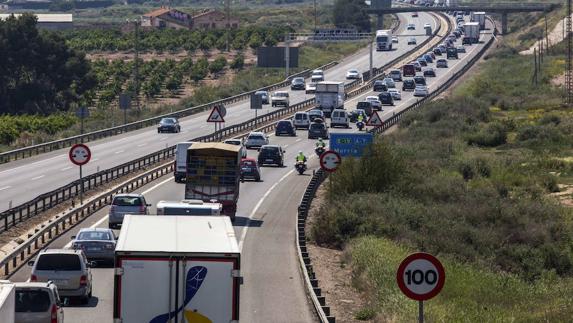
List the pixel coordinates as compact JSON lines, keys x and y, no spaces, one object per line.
{"x":350,"y":144}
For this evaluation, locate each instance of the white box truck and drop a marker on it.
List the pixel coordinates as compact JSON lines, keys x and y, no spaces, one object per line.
{"x":329,"y":96}
{"x":471,"y":33}
{"x":176,"y":269}
{"x":180,"y":170}
{"x":479,"y":17}
{"x":7,"y":301}
{"x":383,"y":39}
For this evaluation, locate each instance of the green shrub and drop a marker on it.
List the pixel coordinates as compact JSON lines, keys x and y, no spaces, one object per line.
{"x":365,"y":314}
{"x":493,"y":135}
{"x":238,"y":62}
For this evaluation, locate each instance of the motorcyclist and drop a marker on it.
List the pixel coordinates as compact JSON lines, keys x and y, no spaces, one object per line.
{"x":300,"y":157}
{"x":360,"y":117}
{"x":320,"y":143}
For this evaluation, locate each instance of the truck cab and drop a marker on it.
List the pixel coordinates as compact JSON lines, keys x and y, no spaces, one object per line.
{"x":383,"y":40}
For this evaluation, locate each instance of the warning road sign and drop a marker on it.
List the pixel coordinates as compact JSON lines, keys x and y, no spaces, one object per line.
{"x":80,"y":154}
{"x":375,"y":120}
{"x":330,"y":160}
{"x":215,"y":115}
{"x":421,"y":276}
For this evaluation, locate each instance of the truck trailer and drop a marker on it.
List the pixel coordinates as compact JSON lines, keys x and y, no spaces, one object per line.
{"x":471,"y":33}
{"x":213,"y":175}
{"x":383,"y":39}
{"x":329,"y":96}
{"x":7,"y":301}
{"x":176,"y":269}
{"x":479,"y":17}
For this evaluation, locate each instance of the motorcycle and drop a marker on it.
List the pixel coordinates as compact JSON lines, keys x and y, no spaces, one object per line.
{"x":360,"y":125}
{"x":300,"y":167}
{"x":319,"y":151}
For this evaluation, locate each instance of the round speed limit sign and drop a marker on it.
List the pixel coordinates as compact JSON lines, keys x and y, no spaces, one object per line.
{"x":421,"y":276}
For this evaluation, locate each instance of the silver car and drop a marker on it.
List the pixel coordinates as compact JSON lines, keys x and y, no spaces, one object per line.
{"x":237,"y":142}
{"x":68,"y":269}
{"x":256,"y":139}
{"x":123,"y":204}
{"x":38,"y":303}
{"x":96,"y":243}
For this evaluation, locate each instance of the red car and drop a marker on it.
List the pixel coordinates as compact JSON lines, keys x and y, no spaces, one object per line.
{"x":250,"y":169}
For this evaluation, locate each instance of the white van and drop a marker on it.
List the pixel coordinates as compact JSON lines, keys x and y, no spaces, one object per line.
{"x":301,"y":120}
{"x":339,"y":118}
{"x":180,"y":171}
{"x":188,"y":207}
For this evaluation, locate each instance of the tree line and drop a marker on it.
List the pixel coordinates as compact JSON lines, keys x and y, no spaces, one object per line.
{"x":39,"y":73}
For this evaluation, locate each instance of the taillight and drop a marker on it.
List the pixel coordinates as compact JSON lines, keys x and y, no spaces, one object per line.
{"x":110,"y":246}
{"x":142,"y":209}
{"x":83,"y":280}
{"x":54,"y":314}
{"x":112,"y":208}
{"x":33,"y":278}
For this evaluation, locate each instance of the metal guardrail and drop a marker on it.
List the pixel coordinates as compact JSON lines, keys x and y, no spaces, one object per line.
{"x":95,"y":135}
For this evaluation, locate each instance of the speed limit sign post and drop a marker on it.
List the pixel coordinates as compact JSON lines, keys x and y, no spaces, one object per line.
{"x":80,"y":155}
{"x":421,"y":276}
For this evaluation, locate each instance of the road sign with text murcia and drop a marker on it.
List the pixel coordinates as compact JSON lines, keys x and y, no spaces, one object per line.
{"x":215,"y":115}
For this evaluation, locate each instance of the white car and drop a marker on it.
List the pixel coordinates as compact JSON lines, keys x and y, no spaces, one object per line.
{"x":412,"y":41}
{"x":256,"y":139}
{"x":310,"y":88}
{"x":411,"y":27}
{"x":376,"y":104}
{"x":339,"y":118}
{"x":353,"y":74}
{"x":421,"y":90}
{"x":389,"y":82}
{"x":396,"y":95}
{"x":280,"y":98}
{"x":237,"y":142}
{"x":427,"y":25}
{"x":394,"y":39}
{"x":396,"y":75}
{"x":301,"y":120}
{"x":317,"y":76}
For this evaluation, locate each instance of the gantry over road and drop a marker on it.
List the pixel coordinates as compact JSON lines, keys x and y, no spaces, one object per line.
{"x":502,"y":8}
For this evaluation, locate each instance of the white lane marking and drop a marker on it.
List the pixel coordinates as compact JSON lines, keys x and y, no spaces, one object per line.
{"x":37,"y":177}
{"x":66,"y":168}
{"x":299,"y":139}
{"x":100,"y":221}
{"x":244,"y":233}
{"x":95,"y":159}
{"x":141,"y":145}
{"x":119,"y":151}
{"x":162,"y":139}
{"x":5,"y":188}
{"x":156,"y":186}
{"x":27,"y":165}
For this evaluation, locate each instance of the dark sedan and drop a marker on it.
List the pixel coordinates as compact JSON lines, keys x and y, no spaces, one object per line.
{"x":96,"y":243}
{"x":271,"y":155}
{"x":250,"y":169}
{"x":317,"y":130}
{"x":285,"y":127}
{"x":297,"y":84}
{"x":168,"y":125}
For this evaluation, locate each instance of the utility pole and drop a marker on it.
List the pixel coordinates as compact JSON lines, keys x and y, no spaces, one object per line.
{"x":136,"y":64}
{"x":546,"y":36}
{"x":534,"y":78}
{"x":568,"y":75}
{"x":228,"y":10}
{"x":315,"y":16}
{"x":287,"y":53}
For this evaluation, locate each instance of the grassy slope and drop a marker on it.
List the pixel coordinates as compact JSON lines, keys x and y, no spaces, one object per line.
{"x":475,"y":171}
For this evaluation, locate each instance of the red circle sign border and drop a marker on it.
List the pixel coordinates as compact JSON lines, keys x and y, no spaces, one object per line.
{"x":435,"y":262}
{"x":86,"y":148}
{"x":322,"y":160}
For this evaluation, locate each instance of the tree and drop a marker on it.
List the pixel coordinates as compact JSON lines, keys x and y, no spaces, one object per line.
{"x":351,"y":14}
{"x":43,"y":75}
{"x":217,"y":65}
{"x":238,"y":62}
{"x":255,"y":41}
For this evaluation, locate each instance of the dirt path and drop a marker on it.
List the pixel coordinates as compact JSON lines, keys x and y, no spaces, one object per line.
{"x":555,"y":36}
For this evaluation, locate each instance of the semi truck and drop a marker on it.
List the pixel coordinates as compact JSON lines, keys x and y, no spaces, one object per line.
{"x":213,"y":175}
{"x":471,"y":33}
{"x":383,"y":40}
{"x":176,"y":269}
{"x":478,"y":17}
{"x":329,"y":96}
{"x":7,"y":301}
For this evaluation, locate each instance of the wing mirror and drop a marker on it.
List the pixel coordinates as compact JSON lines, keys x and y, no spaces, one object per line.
{"x":31,"y":263}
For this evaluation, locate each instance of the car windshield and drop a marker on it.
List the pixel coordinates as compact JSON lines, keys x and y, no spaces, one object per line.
{"x":59,"y":262}
{"x":363,"y":104}
{"x":233,"y":142}
{"x":250,"y":163}
{"x":316,"y":126}
{"x":298,"y":80}
{"x":94,"y":235}
{"x":32,"y":300}
{"x":127,"y":201}
{"x":270,"y":150}
{"x":353,"y":71}
{"x":168,"y":121}
{"x":283,"y":124}
{"x":281,"y":94}
{"x":261,"y":93}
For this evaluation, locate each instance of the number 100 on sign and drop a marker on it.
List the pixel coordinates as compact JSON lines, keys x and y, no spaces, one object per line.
{"x":421,"y":276}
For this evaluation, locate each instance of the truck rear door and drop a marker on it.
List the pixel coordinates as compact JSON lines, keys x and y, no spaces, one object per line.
{"x":208,"y":290}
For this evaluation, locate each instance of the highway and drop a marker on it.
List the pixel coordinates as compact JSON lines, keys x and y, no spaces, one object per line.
{"x":266,"y":218}
{"x":25,"y":179}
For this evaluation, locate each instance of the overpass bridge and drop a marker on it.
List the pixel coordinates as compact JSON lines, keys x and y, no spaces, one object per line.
{"x":500,"y":8}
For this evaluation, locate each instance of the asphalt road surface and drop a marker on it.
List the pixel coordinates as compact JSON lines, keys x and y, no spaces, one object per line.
{"x":265,"y":227}
{"x":23,"y":180}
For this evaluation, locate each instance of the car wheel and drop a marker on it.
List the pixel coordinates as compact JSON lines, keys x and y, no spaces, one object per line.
{"x":158,"y":131}
{"x":257,"y":179}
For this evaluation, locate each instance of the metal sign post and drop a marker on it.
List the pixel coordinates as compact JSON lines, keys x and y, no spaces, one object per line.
{"x":125,"y":104}
{"x":420,"y":277}
{"x":256,"y":104}
{"x":80,"y":155}
{"x":330,"y":161}
{"x":82,"y":113}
